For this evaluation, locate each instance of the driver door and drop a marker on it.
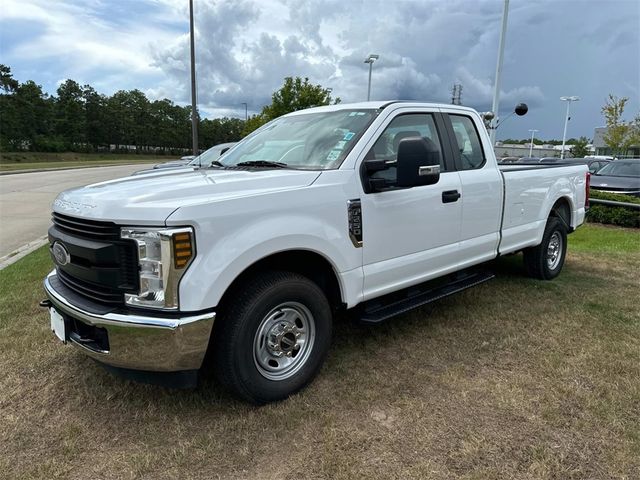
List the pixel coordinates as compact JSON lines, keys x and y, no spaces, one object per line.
{"x":410,"y":234}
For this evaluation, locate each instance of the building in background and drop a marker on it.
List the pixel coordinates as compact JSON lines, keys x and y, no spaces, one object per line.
{"x":602,"y":148}
{"x":522,"y":150}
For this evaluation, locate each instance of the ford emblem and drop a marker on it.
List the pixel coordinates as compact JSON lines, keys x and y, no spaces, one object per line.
{"x":60,"y":254}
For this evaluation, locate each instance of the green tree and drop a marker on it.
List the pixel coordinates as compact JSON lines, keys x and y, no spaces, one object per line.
{"x":170,"y":125}
{"x":7,"y":82}
{"x":80,"y":118}
{"x":94,"y":113}
{"x":31,"y":118}
{"x":70,"y":115}
{"x":140,"y":119}
{"x":129,"y":119}
{"x":295,"y":94}
{"x":579,"y":149}
{"x":253,"y":123}
{"x":8,"y":109}
{"x":620,"y":135}
{"x":220,"y":130}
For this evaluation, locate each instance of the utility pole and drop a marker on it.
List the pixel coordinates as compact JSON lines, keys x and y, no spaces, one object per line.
{"x":531,"y":145}
{"x":194,"y":110}
{"x":496,"y":87}
{"x":456,"y":94}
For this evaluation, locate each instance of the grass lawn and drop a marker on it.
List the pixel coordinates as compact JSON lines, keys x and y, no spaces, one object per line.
{"x":515,"y":378}
{"x":32,"y":160}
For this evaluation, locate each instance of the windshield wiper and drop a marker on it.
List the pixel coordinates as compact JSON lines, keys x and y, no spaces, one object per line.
{"x":262,"y":163}
{"x":216,"y":163}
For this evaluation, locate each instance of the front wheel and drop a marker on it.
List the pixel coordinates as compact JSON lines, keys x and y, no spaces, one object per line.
{"x":273,"y":338}
{"x":545,"y":261}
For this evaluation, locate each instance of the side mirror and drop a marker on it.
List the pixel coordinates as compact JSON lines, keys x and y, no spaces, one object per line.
{"x":418,"y":162}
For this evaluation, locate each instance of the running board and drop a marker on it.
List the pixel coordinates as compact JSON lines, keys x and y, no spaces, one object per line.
{"x":376,"y":312}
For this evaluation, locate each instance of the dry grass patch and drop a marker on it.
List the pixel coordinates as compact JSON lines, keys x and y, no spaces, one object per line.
{"x":513,"y":379}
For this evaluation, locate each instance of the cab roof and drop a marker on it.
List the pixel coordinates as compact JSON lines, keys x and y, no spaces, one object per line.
{"x":378,"y":105}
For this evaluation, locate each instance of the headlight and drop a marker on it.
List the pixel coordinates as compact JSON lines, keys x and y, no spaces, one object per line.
{"x":163,"y":256}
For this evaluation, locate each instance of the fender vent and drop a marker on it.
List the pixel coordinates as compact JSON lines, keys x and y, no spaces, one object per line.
{"x":354,"y":215}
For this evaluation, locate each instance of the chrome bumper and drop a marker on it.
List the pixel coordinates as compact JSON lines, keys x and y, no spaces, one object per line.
{"x":142,"y":342}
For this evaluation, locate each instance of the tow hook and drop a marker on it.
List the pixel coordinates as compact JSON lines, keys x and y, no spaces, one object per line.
{"x":46,"y":303}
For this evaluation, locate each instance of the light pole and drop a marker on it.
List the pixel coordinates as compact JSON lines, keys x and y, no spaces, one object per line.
{"x":531,"y":145}
{"x":194,"y":112}
{"x":246,"y":115}
{"x":370,"y":59}
{"x":566,"y":120}
{"x":496,"y":87}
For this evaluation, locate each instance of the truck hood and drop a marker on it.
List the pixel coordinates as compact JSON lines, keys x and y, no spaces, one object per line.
{"x":604,"y":181}
{"x":150,"y":199}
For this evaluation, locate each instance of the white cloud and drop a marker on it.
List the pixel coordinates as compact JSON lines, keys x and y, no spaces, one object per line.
{"x":246,"y":47}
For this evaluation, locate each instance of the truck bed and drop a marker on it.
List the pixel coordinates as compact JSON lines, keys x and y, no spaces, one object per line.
{"x":530,"y":192}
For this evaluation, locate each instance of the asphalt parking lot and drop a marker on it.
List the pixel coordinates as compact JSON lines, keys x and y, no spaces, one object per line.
{"x":25,"y":200}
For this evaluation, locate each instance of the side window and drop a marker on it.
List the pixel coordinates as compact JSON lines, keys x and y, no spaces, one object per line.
{"x":468,"y":141}
{"x":403,"y":126}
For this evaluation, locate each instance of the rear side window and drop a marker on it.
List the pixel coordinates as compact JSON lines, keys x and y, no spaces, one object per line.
{"x":468,"y":143}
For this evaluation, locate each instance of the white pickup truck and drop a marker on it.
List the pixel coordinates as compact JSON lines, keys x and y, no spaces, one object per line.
{"x":357,"y":207}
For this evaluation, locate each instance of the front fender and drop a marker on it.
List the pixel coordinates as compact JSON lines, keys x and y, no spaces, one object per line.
{"x":233,"y":240}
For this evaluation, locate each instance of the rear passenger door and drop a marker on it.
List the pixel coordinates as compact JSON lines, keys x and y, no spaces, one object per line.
{"x":481,"y":184}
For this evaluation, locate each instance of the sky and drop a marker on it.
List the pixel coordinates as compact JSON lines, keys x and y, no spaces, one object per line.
{"x":245,"y":48}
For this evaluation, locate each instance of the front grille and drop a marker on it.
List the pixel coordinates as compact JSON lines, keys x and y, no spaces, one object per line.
{"x":103,"y":267}
{"x":86,"y":228}
{"x":96,"y":292}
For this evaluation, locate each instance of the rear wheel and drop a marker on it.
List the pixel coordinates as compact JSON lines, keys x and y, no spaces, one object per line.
{"x":274,"y":337}
{"x":545,"y":261}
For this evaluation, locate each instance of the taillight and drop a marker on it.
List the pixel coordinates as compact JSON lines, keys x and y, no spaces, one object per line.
{"x":587,"y":188}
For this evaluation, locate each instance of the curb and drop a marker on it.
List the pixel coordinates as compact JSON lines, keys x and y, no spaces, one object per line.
{"x":22,"y":251}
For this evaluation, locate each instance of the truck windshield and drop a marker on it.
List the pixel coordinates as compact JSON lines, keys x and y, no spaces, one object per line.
{"x":313,"y":141}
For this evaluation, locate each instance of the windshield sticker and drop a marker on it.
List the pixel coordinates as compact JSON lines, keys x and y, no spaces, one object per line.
{"x":333,"y":155}
{"x":349,"y":135}
{"x":340,"y":145}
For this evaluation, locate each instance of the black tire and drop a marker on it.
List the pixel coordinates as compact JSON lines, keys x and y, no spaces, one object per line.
{"x":538,"y":261}
{"x":257,"y":301}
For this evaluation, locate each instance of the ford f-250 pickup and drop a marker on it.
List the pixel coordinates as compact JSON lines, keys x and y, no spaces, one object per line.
{"x":355,"y":207}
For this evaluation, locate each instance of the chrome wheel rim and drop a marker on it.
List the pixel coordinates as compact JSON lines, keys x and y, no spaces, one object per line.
{"x":283,"y":341}
{"x":554,"y":251}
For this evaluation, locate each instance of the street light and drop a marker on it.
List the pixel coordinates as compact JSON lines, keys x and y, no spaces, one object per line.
{"x":370,"y":59}
{"x":566,"y":119}
{"x":496,"y":86}
{"x":246,"y":115}
{"x":531,"y":145}
{"x":194,"y":111}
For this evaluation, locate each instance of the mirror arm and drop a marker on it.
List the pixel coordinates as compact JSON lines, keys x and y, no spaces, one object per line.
{"x":377,"y":184}
{"x":376,"y":165}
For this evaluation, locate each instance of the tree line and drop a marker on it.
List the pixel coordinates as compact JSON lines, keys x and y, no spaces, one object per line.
{"x":80,"y":119}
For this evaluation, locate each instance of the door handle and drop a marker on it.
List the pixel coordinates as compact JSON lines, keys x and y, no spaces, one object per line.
{"x":450,"y":196}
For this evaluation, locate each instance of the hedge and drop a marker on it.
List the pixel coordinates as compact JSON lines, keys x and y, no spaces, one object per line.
{"x":621,"y":216}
